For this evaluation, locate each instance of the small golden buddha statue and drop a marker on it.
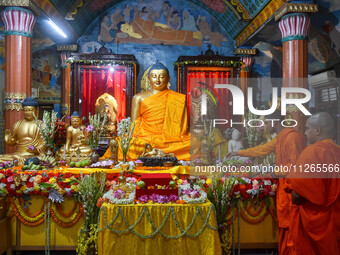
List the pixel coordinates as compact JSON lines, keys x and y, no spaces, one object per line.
{"x":107,"y":105}
{"x":75,"y":140}
{"x":25,"y":134}
{"x":160,"y":117}
{"x":154,"y":152}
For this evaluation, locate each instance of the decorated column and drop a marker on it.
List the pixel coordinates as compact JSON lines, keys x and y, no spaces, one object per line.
{"x":247,"y":57}
{"x":65,"y":52}
{"x":19,"y":24}
{"x":294,"y":23}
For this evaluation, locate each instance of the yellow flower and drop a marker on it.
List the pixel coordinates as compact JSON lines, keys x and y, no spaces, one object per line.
{"x":2,"y":176}
{"x":52,"y":180}
{"x":159,"y":187}
{"x":67,"y":180}
{"x":36,"y":187}
{"x":74,"y":188}
{"x":208,"y":181}
{"x":23,"y":188}
{"x":179,"y":181}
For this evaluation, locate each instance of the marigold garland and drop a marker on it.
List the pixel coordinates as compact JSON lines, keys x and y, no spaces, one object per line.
{"x":28,"y":219}
{"x":74,"y":218}
{"x":27,"y":211}
{"x":66,"y":215}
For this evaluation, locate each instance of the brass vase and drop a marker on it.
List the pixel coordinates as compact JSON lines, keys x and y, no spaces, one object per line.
{"x":49,"y":151}
{"x":94,"y":157}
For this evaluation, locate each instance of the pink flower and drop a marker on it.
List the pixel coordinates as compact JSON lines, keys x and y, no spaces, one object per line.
{"x":118,"y":194}
{"x":10,"y":179}
{"x":186,"y":192}
{"x":195,"y":194}
{"x":89,"y":128}
{"x":143,"y":198}
{"x":31,"y":147}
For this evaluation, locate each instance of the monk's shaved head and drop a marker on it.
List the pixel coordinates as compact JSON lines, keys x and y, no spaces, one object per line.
{"x":319,"y":126}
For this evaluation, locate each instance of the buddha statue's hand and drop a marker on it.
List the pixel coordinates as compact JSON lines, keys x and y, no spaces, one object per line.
{"x":9,"y":137}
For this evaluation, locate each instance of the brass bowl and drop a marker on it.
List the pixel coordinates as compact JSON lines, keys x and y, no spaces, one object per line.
{"x":167,"y":164}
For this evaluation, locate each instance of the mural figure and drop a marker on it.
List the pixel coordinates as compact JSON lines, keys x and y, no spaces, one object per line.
{"x":105,"y":28}
{"x":116,"y":17}
{"x":46,"y":73}
{"x":127,"y":13}
{"x":165,"y":13}
{"x":154,"y":32}
{"x":175,"y":21}
{"x":188,"y":21}
{"x":214,"y":38}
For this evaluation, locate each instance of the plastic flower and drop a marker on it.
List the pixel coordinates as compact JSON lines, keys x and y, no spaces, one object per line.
{"x":118,"y":194}
{"x":143,"y":199}
{"x":195,"y":194}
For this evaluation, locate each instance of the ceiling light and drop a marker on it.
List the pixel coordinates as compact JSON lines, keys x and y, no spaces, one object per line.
{"x":57,"y":28}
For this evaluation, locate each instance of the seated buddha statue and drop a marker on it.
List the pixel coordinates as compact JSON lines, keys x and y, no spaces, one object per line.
{"x":160,"y":117}
{"x":75,"y":139}
{"x":25,"y":134}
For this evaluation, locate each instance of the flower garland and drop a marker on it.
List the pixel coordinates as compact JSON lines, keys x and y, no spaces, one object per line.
{"x":100,"y":62}
{"x":121,"y":201}
{"x":38,"y":218}
{"x":220,"y":63}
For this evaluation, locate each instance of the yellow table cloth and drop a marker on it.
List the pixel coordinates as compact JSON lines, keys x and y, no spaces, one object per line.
{"x":152,"y":229}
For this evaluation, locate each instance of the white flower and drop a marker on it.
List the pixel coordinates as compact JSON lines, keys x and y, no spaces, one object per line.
{"x":3,"y":185}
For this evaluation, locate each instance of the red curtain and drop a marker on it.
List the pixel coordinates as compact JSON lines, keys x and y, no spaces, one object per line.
{"x":96,"y":82}
{"x":206,"y":80}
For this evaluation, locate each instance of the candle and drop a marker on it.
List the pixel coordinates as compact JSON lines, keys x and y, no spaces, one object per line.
{"x":64,"y":151}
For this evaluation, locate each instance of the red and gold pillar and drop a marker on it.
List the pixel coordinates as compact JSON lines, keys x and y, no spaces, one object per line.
{"x":294,"y":23}
{"x":19,"y":24}
{"x":65,"y":52}
{"x":247,"y":57}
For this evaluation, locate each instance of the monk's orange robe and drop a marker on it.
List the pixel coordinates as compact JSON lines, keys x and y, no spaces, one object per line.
{"x":287,"y":145}
{"x":163,"y":124}
{"x":315,"y":223}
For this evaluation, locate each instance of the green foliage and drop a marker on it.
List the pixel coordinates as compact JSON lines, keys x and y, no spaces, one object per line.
{"x":91,"y":189}
{"x":219,"y":193}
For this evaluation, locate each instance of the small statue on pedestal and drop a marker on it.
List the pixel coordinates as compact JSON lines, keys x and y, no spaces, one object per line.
{"x":236,"y":145}
{"x":76,"y":140}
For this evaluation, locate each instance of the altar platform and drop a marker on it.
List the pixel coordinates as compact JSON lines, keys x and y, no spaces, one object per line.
{"x":258,"y":228}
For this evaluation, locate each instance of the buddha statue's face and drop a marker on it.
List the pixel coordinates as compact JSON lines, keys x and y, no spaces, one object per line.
{"x":159,"y":79}
{"x":29,"y":112}
{"x":76,"y":122}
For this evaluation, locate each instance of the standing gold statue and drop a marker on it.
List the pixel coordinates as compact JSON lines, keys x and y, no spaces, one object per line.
{"x":25,"y":134}
{"x":75,"y":140}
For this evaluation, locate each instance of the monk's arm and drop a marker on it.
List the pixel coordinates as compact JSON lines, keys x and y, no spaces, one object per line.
{"x":260,"y":150}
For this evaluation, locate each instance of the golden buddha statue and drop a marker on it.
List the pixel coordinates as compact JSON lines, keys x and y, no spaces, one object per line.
{"x":75,"y":139}
{"x":160,"y":116}
{"x":25,"y":134}
{"x":154,"y":152}
{"x":107,"y":105}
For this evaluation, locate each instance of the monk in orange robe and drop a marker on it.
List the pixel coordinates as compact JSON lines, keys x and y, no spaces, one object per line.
{"x":287,"y":145}
{"x":315,"y":215}
{"x":160,"y":116}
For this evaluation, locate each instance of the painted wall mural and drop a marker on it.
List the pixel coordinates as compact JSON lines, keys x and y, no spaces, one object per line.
{"x":46,"y":74}
{"x":156,"y":30}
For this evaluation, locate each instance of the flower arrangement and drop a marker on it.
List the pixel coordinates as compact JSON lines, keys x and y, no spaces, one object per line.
{"x":220,"y":194}
{"x":90,"y":191}
{"x":254,"y":134}
{"x":195,"y":196}
{"x":48,"y":126}
{"x":158,"y":199}
{"x":94,"y":130}
{"x":125,"y":129}
{"x":119,"y":197}
{"x":60,"y":133}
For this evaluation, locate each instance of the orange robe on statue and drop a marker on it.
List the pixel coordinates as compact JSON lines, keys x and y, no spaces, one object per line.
{"x":163,"y":124}
{"x":315,"y":224}
{"x":287,"y":145}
